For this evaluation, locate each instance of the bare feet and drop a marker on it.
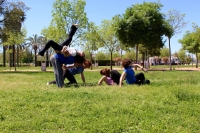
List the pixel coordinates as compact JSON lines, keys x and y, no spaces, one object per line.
{"x":82,"y":54}
{"x":76,"y":24}
{"x":40,"y":54}
{"x":65,"y":51}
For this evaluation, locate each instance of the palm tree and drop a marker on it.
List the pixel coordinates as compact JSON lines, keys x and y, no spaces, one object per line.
{"x":33,"y":41}
{"x":20,"y":49}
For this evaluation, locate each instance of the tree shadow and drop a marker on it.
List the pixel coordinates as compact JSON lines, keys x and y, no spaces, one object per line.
{"x":80,"y":85}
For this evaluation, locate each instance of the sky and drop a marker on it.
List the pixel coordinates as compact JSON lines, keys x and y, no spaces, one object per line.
{"x":39,"y":15}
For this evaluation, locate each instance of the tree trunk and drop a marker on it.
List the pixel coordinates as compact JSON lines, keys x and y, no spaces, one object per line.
{"x":197,"y":60}
{"x":10,"y":57}
{"x":35,"y":58}
{"x":110,"y":60}
{"x":170,"y":64}
{"x":121,"y":59}
{"x":143,"y":59}
{"x":136,"y":55}
{"x":91,"y":60}
{"x":4,"y":56}
{"x":13,"y":55}
{"x":18,"y":56}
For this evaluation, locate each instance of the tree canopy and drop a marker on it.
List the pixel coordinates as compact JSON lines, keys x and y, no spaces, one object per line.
{"x":142,"y":24}
{"x":64,"y":14}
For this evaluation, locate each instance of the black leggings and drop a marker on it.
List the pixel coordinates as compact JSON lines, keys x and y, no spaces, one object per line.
{"x":55,"y":45}
{"x":115,"y":76}
{"x":70,"y":77}
{"x":139,"y":78}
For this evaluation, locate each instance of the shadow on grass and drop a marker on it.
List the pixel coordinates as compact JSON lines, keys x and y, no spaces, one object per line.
{"x":183,"y":95}
{"x":24,"y":72}
{"x":80,"y":85}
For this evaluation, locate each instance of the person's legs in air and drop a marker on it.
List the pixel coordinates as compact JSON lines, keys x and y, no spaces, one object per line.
{"x":70,"y":35}
{"x":49,"y":44}
{"x":56,"y":46}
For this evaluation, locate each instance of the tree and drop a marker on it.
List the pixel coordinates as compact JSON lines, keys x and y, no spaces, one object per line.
{"x":191,"y":42}
{"x":164,"y":52}
{"x":165,"y":60}
{"x":3,"y":5}
{"x":107,"y":38}
{"x":130,"y":55}
{"x":141,"y":24}
{"x":89,"y":39}
{"x":36,"y":43}
{"x":64,"y":14}
{"x":181,"y":54}
{"x":101,"y":56}
{"x":15,"y":38}
{"x":14,"y":15}
{"x":175,"y":23}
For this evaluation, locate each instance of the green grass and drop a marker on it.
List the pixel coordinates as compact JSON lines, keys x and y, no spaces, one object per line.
{"x":171,"y":103}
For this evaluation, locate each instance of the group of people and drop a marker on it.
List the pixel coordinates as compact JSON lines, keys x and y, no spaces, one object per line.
{"x":68,"y":62}
{"x":114,"y":77}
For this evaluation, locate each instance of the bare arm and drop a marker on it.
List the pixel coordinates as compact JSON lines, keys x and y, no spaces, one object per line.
{"x":83,"y":77}
{"x":121,"y":79}
{"x":72,"y":66}
{"x":101,"y":80}
{"x":145,"y":70}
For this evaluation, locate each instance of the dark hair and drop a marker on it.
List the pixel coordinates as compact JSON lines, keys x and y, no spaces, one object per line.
{"x":79,"y":59}
{"x":105,"y":72}
{"x":126,"y":63}
{"x":88,"y":62}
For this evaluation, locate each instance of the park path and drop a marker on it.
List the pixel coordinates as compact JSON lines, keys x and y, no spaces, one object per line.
{"x":150,"y":69}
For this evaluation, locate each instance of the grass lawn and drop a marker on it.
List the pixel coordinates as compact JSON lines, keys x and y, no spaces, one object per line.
{"x":171,"y":103}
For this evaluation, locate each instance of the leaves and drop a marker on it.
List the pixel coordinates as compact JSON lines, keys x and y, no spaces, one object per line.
{"x":141,"y":24}
{"x":65,"y":13}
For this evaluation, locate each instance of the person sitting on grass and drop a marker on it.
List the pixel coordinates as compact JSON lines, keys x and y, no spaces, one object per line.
{"x":109,"y":77}
{"x":129,"y":74}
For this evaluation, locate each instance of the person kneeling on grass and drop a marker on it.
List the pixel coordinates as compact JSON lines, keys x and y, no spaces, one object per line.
{"x":58,"y":59}
{"x":130,"y":76}
{"x":70,"y":72}
{"x":109,"y":77}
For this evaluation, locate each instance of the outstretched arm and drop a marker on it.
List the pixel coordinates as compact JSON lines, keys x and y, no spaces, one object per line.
{"x":121,"y":79}
{"x":101,"y":80}
{"x":71,"y":66}
{"x":145,"y":70}
{"x":83,"y":77}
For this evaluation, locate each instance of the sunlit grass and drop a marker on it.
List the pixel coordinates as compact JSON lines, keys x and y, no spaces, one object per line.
{"x":169,"y":104}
